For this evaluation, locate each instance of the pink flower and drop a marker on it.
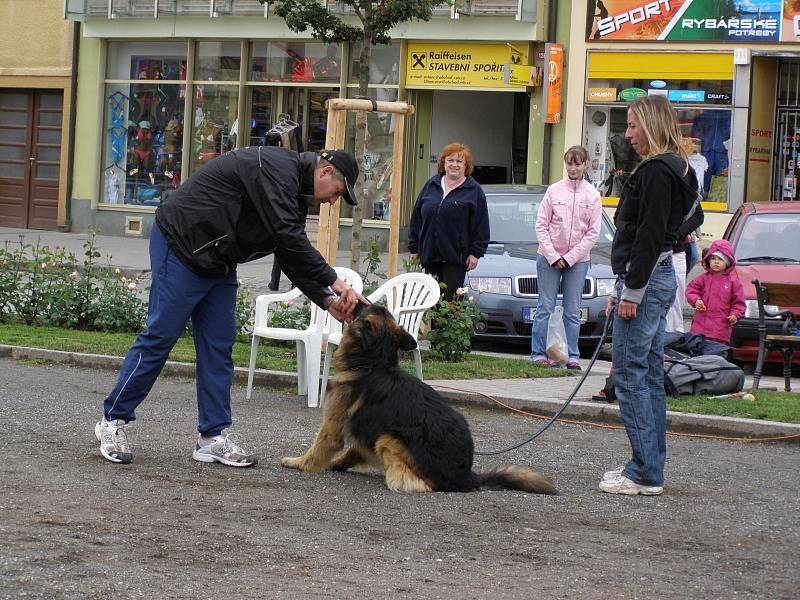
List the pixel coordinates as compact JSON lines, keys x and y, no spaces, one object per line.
{"x":288,"y":302}
{"x":44,"y":265}
{"x":461,"y":291}
{"x":124,"y":280}
{"x":132,"y":285}
{"x":74,"y":275}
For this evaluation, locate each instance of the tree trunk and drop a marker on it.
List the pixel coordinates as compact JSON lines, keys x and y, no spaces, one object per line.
{"x":361,"y":133}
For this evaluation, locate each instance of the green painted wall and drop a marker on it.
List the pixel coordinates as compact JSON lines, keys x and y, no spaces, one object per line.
{"x":536,"y":126}
{"x":86,"y":170}
{"x":423,"y":107}
{"x":557,"y":144}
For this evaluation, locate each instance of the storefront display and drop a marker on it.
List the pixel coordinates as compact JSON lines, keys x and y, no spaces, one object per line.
{"x":300,"y":62}
{"x":703,"y":105}
{"x":143,"y":150}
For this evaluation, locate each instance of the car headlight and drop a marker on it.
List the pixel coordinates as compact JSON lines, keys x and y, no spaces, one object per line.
{"x":605,"y":287}
{"x":492,"y":285}
{"x":751,"y":310}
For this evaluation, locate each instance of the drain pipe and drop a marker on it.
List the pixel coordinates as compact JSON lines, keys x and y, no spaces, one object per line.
{"x":547,"y":134}
{"x":73,"y":97}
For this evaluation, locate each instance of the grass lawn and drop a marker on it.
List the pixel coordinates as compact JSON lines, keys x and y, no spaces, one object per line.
{"x":270,"y":356}
{"x":773,"y":406}
{"x":770,"y":406}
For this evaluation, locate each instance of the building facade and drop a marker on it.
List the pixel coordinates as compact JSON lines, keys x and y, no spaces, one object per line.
{"x":167,"y":85}
{"x":36,"y":98}
{"x":733,"y":75}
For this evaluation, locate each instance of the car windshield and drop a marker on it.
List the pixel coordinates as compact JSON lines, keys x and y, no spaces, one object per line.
{"x":512,"y":218}
{"x":770,"y":237}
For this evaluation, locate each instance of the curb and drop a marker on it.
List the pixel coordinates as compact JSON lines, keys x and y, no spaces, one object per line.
{"x":608,"y":414}
{"x":114,"y":363}
{"x":581,"y":410}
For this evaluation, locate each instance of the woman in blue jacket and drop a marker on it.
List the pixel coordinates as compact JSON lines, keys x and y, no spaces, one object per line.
{"x":449,"y":229}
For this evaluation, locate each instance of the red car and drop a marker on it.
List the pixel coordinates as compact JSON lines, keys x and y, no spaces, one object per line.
{"x":766,"y":243}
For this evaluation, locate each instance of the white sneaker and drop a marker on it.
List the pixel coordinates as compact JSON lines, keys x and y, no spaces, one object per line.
{"x":613,"y":473}
{"x":225,"y":450}
{"x":622,"y":485}
{"x":113,"y":441}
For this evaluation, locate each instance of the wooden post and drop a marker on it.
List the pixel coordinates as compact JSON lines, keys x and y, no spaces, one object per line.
{"x":328,"y":236}
{"x":333,"y":232}
{"x":323,"y":232}
{"x":394,"y":209}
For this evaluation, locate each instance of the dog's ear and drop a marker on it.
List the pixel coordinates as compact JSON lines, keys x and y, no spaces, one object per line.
{"x":403,"y":339}
{"x":360,"y":307}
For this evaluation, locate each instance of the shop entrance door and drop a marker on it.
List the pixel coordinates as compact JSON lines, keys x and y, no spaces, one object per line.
{"x":787,"y":169}
{"x":305,"y":106}
{"x":30,"y":153}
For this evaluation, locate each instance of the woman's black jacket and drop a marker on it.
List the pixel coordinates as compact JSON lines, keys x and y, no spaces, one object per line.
{"x":449,"y":228}
{"x":653,"y":204}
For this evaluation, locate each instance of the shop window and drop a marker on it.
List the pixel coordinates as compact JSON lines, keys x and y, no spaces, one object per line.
{"x":703,"y":119}
{"x":218,"y":61}
{"x":215,"y":122}
{"x":147,"y":61}
{"x":376,"y":178}
{"x":309,"y":62}
{"x":384,"y":64}
{"x":142,"y":155}
{"x":143,"y":122}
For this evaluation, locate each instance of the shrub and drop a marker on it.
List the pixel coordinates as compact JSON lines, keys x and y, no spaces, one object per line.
{"x":291,"y":315}
{"x":40,"y":286}
{"x":372,"y":261}
{"x":453,"y":322}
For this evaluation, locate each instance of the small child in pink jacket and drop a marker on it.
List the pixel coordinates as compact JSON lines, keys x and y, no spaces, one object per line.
{"x":717,"y":295}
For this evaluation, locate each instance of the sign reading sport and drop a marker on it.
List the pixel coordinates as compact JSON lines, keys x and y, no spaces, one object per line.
{"x":698,"y":20}
{"x":461,"y":65}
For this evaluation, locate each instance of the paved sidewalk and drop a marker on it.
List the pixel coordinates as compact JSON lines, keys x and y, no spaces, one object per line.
{"x":131,"y":254}
{"x":544,"y":395}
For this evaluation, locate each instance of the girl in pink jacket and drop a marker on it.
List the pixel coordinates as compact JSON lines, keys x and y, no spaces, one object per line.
{"x":567,"y":227}
{"x":717,"y":295}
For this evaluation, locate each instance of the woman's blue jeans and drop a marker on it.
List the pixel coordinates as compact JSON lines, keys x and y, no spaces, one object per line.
{"x":571,"y":280}
{"x":638,"y":366}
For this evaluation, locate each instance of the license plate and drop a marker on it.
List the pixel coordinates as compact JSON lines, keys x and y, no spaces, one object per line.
{"x":529,"y":312}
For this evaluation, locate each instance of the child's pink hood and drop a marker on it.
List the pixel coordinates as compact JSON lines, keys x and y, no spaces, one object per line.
{"x":723,"y":246}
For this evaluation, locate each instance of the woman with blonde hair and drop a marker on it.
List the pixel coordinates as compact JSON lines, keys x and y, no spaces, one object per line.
{"x":449,"y":227}
{"x":655,"y":201}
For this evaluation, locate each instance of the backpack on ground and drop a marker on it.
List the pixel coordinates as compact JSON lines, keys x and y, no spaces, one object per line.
{"x":699,"y":375}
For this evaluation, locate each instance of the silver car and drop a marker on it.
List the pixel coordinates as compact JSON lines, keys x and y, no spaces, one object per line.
{"x":504,"y":283}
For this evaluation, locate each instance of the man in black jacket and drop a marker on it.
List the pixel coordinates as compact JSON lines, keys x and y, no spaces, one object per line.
{"x":239,"y":207}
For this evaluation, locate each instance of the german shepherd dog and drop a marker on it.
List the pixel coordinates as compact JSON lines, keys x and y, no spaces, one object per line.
{"x":378,"y":415}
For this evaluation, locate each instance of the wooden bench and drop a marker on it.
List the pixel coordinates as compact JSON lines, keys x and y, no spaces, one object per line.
{"x":777,"y":294}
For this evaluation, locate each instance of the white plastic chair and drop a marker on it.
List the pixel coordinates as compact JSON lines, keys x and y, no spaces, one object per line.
{"x":309,"y":341}
{"x":407,"y":296}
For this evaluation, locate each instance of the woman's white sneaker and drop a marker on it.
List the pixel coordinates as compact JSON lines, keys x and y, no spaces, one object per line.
{"x":623,"y":485}
{"x":613,"y":473}
{"x":113,"y":440}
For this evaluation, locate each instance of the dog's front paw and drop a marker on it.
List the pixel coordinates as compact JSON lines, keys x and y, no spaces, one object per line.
{"x":305,"y":463}
{"x":294,"y":462}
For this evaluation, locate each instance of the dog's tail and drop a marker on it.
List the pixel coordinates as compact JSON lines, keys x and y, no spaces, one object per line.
{"x":516,"y":478}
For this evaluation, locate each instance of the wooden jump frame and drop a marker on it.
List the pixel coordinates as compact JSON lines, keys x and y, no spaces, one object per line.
{"x":328,"y":236}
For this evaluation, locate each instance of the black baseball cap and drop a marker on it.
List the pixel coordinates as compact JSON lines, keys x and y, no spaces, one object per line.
{"x":345,"y":163}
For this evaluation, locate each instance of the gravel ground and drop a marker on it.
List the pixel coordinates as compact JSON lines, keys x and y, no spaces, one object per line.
{"x":75,"y":526}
